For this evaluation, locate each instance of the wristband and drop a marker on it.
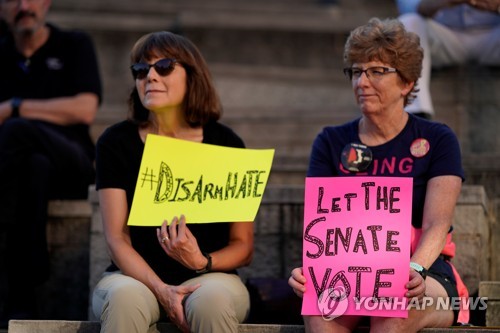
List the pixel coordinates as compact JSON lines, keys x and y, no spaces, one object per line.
{"x":15,"y":104}
{"x":208,"y":267}
{"x":419,"y":269}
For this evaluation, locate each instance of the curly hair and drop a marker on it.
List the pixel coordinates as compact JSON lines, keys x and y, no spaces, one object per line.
{"x":389,"y":42}
{"x":201,"y":103}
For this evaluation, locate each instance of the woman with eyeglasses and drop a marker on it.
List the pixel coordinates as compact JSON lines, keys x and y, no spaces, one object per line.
{"x":187,"y":273}
{"x":383,"y":63}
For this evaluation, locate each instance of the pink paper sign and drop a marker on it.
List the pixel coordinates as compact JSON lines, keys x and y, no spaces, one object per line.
{"x":356,"y":249}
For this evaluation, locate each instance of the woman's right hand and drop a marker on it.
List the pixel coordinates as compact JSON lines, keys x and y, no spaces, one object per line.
{"x":297,"y":281}
{"x":171,"y":298}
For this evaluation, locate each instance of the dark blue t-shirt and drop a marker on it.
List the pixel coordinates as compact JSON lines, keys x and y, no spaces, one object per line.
{"x":393,"y":158}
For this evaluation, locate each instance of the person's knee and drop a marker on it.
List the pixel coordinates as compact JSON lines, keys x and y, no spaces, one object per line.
{"x":129,"y":301}
{"x":209,"y":305}
{"x":16,"y":135}
{"x":208,"y":302}
{"x":16,"y":127}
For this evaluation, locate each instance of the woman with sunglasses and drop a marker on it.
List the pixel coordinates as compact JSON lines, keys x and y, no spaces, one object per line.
{"x":187,"y":273}
{"x":383,"y":63}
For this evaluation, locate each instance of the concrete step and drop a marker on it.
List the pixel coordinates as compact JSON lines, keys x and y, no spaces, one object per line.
{"x":33,"y":326}
{"x":68,"y":236}
{"x":277,"y":65}
{"x":491,"y":290}
{"x":296,"y":15}
{"x":286,"y":107}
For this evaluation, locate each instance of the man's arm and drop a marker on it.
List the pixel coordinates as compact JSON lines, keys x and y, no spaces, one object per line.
{"x":78,"y":109}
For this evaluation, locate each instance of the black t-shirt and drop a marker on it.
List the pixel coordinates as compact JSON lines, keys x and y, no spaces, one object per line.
{"x":64,"y":66}
{"x":118,"y":160}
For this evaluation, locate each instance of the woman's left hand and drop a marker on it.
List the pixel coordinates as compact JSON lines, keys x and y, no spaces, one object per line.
{"x":416,"y":285}
{"x":180,"y":244}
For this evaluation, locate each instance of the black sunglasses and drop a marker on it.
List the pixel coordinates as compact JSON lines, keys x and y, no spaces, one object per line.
{"x":163,"y":67}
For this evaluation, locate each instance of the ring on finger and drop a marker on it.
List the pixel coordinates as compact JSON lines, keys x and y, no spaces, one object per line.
{"x":164,"y":239}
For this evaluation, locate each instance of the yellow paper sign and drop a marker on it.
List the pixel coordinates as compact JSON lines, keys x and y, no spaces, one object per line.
{"x":206,"y":183}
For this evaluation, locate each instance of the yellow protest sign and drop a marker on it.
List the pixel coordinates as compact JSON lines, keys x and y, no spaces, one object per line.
{"x":206,"y":183}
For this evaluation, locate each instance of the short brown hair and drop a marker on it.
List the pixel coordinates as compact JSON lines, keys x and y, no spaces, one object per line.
{"x":387,"y":41}
{"x":201,"y":103}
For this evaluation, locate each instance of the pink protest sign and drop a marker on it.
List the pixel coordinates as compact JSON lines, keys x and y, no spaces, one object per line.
{"x":356,"y":252}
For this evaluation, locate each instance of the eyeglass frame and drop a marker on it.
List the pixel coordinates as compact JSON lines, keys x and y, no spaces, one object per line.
{"x":348,"y":72}
{"x":136,"y":72}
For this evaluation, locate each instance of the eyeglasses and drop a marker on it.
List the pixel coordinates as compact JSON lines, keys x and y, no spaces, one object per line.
{"x":163,"y":67}
{"x":372,"y":73}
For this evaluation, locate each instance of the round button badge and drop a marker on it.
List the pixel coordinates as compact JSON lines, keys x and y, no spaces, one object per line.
{"x":356,"y":157}
{"x":419,"y":147}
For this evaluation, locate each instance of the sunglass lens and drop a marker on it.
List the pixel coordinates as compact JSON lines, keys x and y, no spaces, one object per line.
{"x":164,"y":66}
{"x":140,"y":70}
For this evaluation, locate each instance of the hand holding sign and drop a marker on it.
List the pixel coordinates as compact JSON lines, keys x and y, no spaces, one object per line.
{"x":356,"y":236}
{"x":179,"y":243}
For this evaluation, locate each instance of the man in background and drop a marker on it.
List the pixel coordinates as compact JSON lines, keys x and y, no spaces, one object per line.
{"x":50,"y":90}
{"x":452,"y":32}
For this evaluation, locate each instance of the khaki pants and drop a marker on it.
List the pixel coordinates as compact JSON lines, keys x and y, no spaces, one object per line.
{"x":444,"y":47}
{"x":124,"y":304}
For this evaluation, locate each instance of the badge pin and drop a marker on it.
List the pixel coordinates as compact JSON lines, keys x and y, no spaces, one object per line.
{"x":356,"y":157}
{"x":419,"y":147}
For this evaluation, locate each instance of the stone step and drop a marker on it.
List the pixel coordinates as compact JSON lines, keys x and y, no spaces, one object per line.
{"x":34,"y":326}
{"x":491,"y":290}
{"x":273,"y":63}
{"x":281,"y":57}
{"x":68,"y":235}
{"x":285,"y":107}
{"x":294,"y":15}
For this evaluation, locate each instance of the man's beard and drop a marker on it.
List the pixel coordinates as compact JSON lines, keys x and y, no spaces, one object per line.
{"x":25,"y":31}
